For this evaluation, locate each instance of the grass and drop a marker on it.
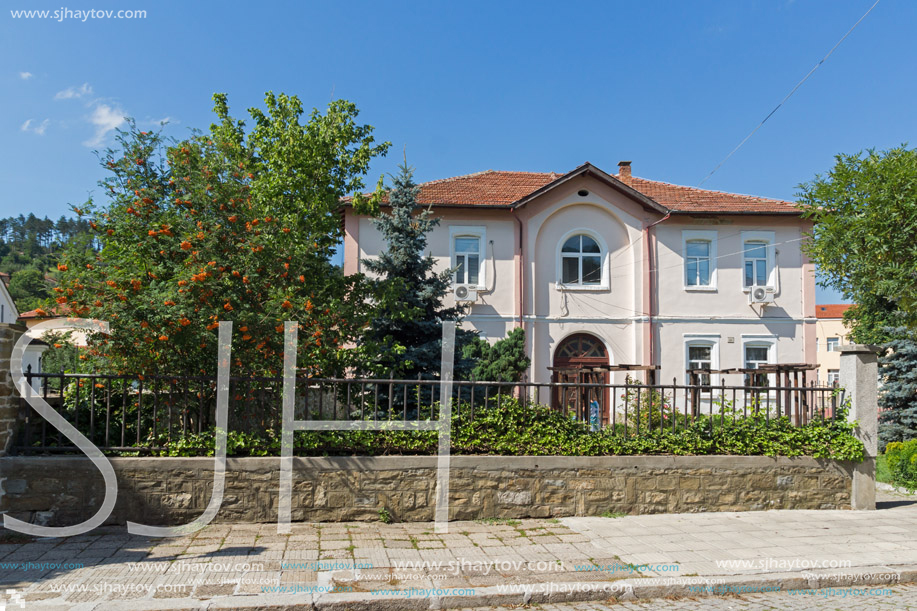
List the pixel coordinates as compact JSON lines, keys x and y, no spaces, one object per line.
{"x":882,"y":472}
{"x":612,"y":514}
{"x":498,"y":522}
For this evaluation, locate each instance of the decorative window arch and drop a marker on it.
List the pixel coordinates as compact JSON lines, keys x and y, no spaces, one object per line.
{"x":581,"y":349}
{"x":582,"y":261}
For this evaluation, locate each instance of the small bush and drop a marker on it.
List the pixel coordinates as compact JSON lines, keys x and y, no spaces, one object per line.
{"x":901,"y":457}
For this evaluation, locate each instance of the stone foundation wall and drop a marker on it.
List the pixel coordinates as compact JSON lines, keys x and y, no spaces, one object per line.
{"x":58,"y":491}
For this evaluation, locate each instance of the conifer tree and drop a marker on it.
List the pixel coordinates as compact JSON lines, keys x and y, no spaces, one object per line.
{"x":407,"y":321}
{"x":898,"y":395}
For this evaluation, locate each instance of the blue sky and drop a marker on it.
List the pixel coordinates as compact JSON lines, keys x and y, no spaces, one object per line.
{"x":469,"y":86}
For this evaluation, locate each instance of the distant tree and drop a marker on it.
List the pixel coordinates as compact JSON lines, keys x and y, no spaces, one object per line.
{"x":62,"y":355}
{"x":864,"y":213}
{"x":504,"y":361}
{"x":898,"y":399}
{"x":29,"y":289}
{"x":230,"y":224}
{"x":407,"y":321}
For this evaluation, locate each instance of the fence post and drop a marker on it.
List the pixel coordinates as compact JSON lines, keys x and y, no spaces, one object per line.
{"x":9,"y":396}
{"x":859,"y":376}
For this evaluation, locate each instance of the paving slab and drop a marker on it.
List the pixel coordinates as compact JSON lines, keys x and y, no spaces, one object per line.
{"x":570,"y":561}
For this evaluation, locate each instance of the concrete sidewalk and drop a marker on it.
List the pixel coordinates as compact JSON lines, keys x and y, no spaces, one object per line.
{"x":407,"y":566}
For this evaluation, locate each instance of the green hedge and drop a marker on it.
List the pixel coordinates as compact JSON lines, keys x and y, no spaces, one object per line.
{"x":901,"y":457}
{"x":510,"y":429}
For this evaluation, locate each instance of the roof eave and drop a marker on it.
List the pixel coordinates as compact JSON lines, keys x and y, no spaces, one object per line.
{"x":736,"y":213}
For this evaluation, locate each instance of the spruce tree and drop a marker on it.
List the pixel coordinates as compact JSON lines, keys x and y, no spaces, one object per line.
{"x":504,"y":361}
{"x":408,"y":316}
{"x":898,"y":394}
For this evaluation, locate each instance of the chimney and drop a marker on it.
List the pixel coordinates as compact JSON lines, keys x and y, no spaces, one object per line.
{"x":623,"y":169}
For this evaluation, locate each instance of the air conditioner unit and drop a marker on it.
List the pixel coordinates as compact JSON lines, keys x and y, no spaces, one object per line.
{"x":463,"y":293}
{"x":760,"y":294}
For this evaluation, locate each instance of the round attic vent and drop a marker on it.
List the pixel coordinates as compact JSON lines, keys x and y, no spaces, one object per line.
{"x":582,"y":193}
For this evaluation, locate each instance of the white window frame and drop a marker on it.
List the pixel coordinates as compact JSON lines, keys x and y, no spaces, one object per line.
{"x":828,"y":342}
{"x":689,"y":235}
{"x":706,"y":340}
{"x":470,"y":231}
{"x":761,"y":341}
{"x":768,"y":237}
{"x":836,"y":374}
{"x":604,"y":284}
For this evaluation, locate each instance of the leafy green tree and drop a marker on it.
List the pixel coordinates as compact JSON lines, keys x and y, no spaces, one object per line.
{"x":873,"y":320}
{"x":407,"y":320}
{"x":898,"y":399}
{"x":504,"y":361}
{"x":29,"y":289}
{"x":865,"y":218}
{"x":229,"y":224}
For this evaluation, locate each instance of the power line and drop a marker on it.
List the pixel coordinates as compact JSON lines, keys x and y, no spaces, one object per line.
{"x":787,"y":97}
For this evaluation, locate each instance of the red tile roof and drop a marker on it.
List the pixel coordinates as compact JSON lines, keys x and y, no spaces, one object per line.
{"x":692,"y":199}
{"x":831,"y":310}
{"x":490,"y":188}
{"x":55,"y":312}
{"x":504,"y":189}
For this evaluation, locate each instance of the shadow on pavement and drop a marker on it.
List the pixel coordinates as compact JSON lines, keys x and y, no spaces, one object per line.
{"x":893,"y":504}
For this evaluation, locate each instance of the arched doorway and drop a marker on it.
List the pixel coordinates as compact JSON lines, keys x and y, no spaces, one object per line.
{"x":582,"y":359}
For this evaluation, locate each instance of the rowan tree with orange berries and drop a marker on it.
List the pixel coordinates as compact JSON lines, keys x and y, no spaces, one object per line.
{"x":230,"y":224}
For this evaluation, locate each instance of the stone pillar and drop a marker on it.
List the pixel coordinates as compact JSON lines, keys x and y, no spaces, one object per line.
{"x":859,"y":376}
{"x":9,"y":396}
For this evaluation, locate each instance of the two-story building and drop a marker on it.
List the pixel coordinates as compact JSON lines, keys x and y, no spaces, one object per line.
{"x":616,"y":269}
{"x":830,"y":334}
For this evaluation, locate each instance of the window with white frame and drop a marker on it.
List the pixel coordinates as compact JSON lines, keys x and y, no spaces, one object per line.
{"x":832,"y":344}
{"x":834,"y":376}
{"x":758,"y":350}
{"x":699,"y":248}
{"x":582,"y":259}
{"x":758,"y":268}
{"x":755,"y":356}
{"x":467,"y":245}
{"x":701,"y":353}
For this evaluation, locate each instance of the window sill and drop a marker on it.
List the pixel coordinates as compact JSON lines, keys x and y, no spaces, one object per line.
{"x":770,"y":289}
{"x":700,"y":289}
{"x":578,"y":288}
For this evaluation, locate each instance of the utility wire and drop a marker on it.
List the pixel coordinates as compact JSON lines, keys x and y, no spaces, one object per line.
{"x":798,"y":85}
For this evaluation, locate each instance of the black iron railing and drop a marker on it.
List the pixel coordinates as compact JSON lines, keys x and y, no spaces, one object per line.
{"x":147,"y":414}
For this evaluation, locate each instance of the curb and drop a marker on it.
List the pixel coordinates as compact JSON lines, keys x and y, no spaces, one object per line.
{"x":866,"y":576}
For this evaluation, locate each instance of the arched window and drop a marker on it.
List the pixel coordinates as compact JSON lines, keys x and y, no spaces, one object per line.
{"x":580,"y":350}
{"x":581,"y":261}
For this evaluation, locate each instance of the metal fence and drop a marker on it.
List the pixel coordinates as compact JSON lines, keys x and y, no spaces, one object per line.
{"x":148,"y":414}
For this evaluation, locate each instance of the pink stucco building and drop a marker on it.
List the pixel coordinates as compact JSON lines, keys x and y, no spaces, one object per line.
{"x":620,"y":269}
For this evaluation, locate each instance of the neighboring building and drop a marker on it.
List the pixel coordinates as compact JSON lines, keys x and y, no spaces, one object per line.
{"x":603,"y":269}
{"x":8,"y":311}
{"x":10,"y":314}
{"x":831,"y":334}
